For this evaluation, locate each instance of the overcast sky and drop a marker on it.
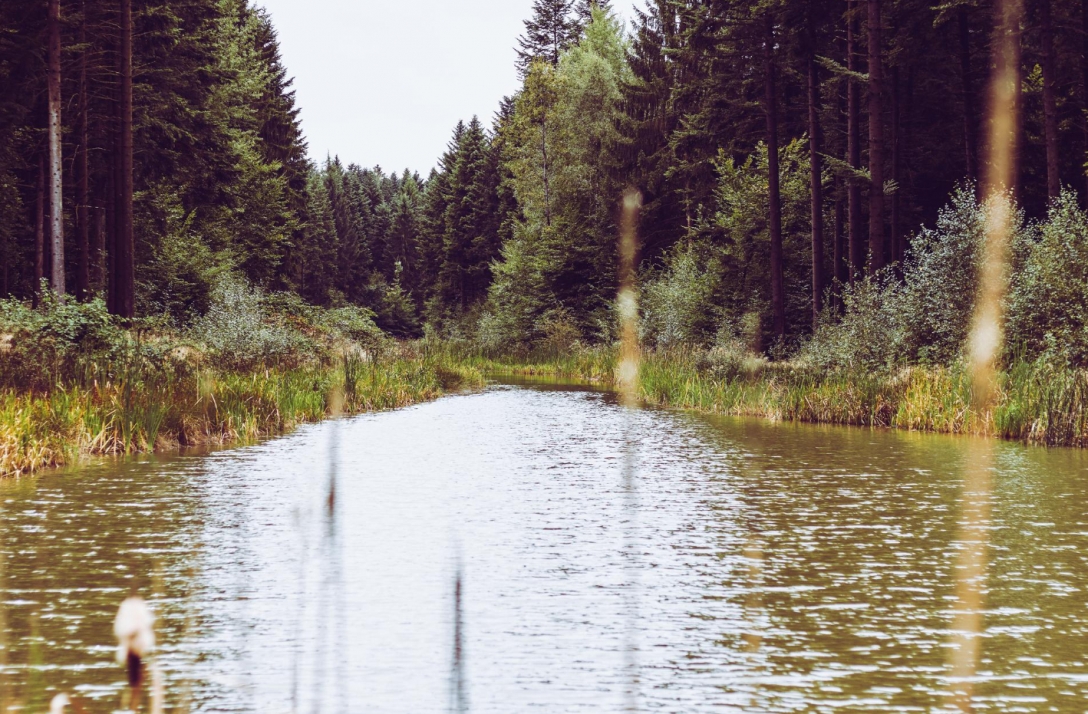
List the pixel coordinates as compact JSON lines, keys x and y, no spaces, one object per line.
{"x":383,"y":82}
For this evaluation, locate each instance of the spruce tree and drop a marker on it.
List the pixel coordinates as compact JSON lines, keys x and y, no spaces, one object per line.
{"x":548,"y":33}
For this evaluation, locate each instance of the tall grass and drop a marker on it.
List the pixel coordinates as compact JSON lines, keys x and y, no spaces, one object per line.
{"x":1037,"y":402}
{"x":143,"y":412}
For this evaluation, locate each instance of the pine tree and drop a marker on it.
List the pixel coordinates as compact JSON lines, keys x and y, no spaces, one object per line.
{"x":548,"y":33}
{"x":583,"y":10}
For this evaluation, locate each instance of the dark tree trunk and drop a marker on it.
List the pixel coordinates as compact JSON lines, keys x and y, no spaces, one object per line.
{"x":56,"y":184}
{"x":98,"y":250}
{"x":896,"y":141}
{"x":853,"y":141}
{"x":970,"y":113}
{"x":1084,"y":86}
{"x":841,"y":272}
{"x":1050,"y":101}
{"x":774,"y":198}
{"x":39,"y":230}
{"x":817,"y":191}
{"x":126,"y":289}
{"x":83,"y":199}
{"x":876,"y":141}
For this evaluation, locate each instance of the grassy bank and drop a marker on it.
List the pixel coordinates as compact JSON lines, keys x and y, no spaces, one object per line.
{"x":189,"y":407}
{"x":1038,"y":403}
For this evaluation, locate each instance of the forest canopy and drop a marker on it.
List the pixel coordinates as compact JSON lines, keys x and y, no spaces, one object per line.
{"x":789,"y":154}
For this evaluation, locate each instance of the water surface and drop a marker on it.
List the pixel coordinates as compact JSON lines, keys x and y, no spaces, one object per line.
{"x":740,"y":566}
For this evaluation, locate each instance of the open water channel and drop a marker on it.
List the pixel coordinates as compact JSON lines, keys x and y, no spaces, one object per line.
{"x":608,"y":560}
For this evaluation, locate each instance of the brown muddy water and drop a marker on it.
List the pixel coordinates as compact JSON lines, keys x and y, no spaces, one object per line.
{"x":739,"y":566}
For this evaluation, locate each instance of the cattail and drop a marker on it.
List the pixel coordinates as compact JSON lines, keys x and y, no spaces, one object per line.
{"x":134,"y":628}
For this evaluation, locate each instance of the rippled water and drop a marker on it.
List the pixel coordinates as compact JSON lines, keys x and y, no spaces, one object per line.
{"x":745,"y":567}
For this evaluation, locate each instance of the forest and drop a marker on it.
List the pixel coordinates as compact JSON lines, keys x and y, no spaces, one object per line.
{"x":808,"y":170}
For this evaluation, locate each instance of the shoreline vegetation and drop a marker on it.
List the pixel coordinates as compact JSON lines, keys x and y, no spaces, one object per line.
{"x":1037,"y":403}
{"x":75,"y":383}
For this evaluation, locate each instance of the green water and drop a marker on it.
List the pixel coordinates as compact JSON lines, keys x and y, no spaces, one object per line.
{"x":607,"y":561}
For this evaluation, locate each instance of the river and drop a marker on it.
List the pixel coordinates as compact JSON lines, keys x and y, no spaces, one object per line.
{"x":608,"y":561}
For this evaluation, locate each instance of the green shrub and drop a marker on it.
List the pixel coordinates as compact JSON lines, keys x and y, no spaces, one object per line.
{"x":678,"y":303}
{"x":241,"y":333}
{"x":58,"y":339}
{"x":1048,"y":303}
{"x":868,"y":336}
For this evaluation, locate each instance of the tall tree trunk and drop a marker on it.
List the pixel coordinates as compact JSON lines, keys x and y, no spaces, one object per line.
{"x":774,"y":197}
{"x":876,"y":141}
{"x":816,"y":191}
{"x":1084,"y":87}
{"x":853,"y":141}
{"x":98,"y":250}
{"x":970,"y":113}
{"x":1050,"y":102}
{"x":39,"y":230}
{"x":83,"y":199}
{"x":126,"y":288}
{"x":547,"y":187}
{"x":896,"y":140}
{"x":56,"y":185}
{"x":842,"y":275}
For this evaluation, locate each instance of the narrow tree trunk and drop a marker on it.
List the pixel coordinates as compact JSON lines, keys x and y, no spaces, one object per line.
{"x":547,"y":188}
{"x":39,"y":230}
{"x":126,"y":296}
{"x":817,"y":191}
{"x":56,"y":186}
{"x":98,"y":250}
{"x":1084,"y":87}
{"x":970,"y":113}
{"x":896,"y":235}
{"x":853,"y":140}
{"x":842,"y":275}
{"x":1050,"y":101}
{"x":774,"y":198}
{"x":876,"y":142}
{"x":83,"y":233}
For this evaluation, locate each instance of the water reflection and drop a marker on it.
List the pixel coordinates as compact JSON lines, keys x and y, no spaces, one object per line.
{"x":830,"y":549}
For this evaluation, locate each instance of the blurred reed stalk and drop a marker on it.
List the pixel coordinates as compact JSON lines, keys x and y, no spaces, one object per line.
{"x":628,"y":384}
{"x":627,"y":371}
{"x":458,"y":686}
{"x":753,"y":610}
{"x":984,"y":347}
{"x":4,"y":699}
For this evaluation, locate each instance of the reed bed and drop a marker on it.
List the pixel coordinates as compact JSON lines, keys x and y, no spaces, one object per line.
{"x":1037,"y":402}
{"x":165,"y":410}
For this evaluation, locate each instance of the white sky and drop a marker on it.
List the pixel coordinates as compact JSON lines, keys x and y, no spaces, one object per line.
{"x":383,"y":82}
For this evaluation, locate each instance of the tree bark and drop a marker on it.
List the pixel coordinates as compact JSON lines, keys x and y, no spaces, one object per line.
{"x":39,"y":230}
{"x":1050,"y":101}
{"x":1084,"y":87}
{"x":83,"y":199}
{"x":853,"y":141}
{"x":816,"y":191}
{"x":56,"y":185}
{"x":970,"y":111}
{"x":896,"y":141}
{"x":126,"y":295}
{"x":842,"y":275}
{"x":876,"y":141}
{"x":774,"y":197}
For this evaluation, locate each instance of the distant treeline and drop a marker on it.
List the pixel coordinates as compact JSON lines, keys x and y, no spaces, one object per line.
{"x":784,"y":149}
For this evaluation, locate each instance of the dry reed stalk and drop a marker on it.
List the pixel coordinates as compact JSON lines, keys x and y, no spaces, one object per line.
{"x":984,"y":346}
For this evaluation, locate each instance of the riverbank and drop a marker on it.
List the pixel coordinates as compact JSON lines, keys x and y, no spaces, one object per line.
{"x":1038,"y":403}
{"x":202,"y":406}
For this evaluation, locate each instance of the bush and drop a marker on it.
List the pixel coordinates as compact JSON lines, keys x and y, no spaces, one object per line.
{"x":869,"y":335}
{"x":58,"y":339}
{"x":1048,"y":303}
{"x":678,"y":303}
{"x":240,"y":332}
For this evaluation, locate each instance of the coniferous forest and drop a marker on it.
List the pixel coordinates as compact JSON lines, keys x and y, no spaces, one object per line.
{"x":799,"y":161}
